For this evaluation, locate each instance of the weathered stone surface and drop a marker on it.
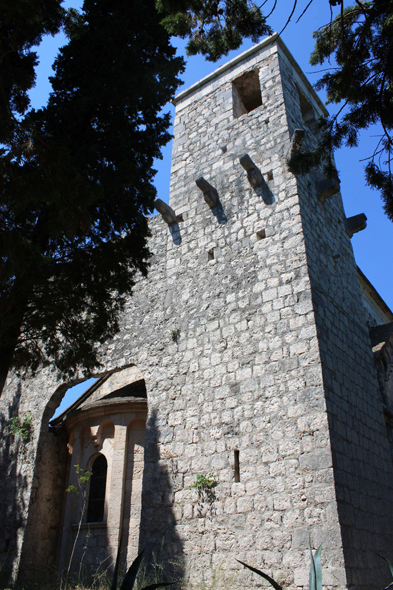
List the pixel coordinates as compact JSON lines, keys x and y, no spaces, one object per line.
{"x":272,"y":358}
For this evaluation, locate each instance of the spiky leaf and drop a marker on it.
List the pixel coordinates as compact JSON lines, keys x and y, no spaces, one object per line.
{"x":388,"y":562}
{"x":315,"y":582}
{"x":130,"y":577}
{"x":268,"y":578}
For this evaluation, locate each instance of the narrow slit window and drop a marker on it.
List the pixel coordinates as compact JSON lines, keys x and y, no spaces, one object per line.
{"x":96,"y":506}
{"x":237,"y":466}
{"x":210,"y":255}
{"x":246,"y":91}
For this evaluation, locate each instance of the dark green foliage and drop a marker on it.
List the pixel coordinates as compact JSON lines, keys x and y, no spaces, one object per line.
{"x":76,"y":186}
{"x":213,"y":27}
{"x":22,"y":26}
{"x":21,"y":426}
{"x":360,"y":39}
{"x":204,"y":482}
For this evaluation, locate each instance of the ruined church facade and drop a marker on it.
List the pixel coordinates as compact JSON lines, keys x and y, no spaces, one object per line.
{"x":245,"y":357}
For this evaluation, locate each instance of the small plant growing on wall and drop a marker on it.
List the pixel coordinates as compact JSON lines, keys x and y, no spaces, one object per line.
{"x":175,"y":334}
{"x":21,"y":426}
{"x":205,"y":485}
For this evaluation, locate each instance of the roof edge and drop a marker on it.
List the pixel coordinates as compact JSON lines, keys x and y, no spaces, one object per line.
{"x":239,"y":58}
{"x":232,"y":62}
{"x":64,"y":415}
{"x":378,"y":298}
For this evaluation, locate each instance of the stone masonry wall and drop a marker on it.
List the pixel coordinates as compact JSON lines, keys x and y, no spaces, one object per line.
{"x":225,"y":333}
{"x":362,"y":463}
{"x":265,"y":344}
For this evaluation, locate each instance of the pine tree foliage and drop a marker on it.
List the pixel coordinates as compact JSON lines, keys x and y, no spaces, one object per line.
{"x":22,"y":26}
{"x":76,"y":187}
{"x":76,"y":176}
{"x":360,"y":39}
{"x":214,"y":27}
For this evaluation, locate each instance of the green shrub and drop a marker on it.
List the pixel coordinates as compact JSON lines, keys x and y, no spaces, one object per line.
{"x":21,"y":426}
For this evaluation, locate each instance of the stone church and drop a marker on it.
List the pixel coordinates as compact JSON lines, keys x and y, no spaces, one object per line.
{"x":245,"y":408}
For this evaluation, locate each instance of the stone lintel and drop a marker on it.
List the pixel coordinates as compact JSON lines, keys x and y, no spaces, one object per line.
{"x":355,"y":223}
{"x":209,"y":192}
{"x":254,"y":175}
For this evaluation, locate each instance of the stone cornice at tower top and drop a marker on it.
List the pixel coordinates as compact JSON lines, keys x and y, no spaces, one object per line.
{"x":273,"y":39}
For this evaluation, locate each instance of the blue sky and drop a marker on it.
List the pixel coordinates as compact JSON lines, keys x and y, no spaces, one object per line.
{"x":373,"y":247}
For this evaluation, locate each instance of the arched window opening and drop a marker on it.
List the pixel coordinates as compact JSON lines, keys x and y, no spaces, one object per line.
{"x":96,"y":506}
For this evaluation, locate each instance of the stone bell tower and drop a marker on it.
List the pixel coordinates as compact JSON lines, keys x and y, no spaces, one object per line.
{"x":250,"y":336}
{"x":280,"y":359}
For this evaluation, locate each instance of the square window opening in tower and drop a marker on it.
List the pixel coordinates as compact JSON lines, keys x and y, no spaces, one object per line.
{"x":246,"y":91}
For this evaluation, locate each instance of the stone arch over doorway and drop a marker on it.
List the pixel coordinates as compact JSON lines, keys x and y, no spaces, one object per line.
{"x":96,"y":423}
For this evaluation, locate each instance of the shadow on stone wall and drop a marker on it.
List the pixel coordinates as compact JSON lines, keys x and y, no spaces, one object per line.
{"x":13,"y":486}
{"x":43,"y":524}
{"x":265,"y":192}
{"x":219,"y":214}
{"x":164,"y":557}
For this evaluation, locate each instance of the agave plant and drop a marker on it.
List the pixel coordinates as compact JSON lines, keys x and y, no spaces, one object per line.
{"x":130,"y":577}
{"x":315,"y":579}
{"x":390,"y":567}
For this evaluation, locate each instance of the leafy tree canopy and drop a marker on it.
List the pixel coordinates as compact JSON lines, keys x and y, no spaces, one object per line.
{"x":361,"y":40}
{"x":76,"y":181}
{"x":76,"y":176}
{"x":213,"y":27}
{"x":22,"y":26}
{"x":359,"y":44}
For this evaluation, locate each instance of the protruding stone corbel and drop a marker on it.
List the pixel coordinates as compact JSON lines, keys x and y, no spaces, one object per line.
{"x":355,"y":224}
{"x":254,"y":175}
{"x":326,"y":188}
{"x":296,"y":144}
{"x":209,"y":192}
{"x":168,"y":214}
